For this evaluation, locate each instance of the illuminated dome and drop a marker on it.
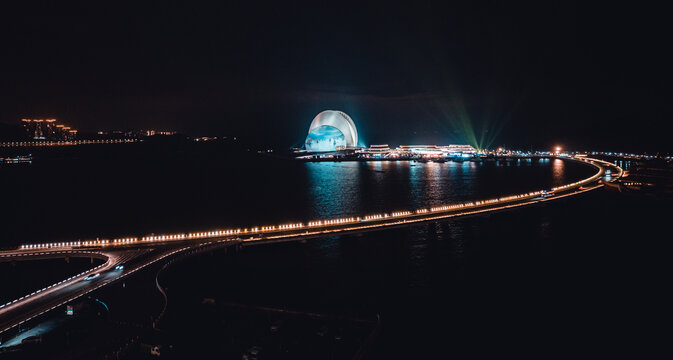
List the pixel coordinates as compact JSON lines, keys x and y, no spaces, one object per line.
{"x":330,"y":129}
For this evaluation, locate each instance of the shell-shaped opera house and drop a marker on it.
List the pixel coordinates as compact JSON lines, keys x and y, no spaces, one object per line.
{"x":331,"y":129}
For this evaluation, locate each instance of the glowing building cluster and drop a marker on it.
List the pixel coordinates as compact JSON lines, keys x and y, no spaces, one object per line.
{"x":332,"y":134}
{"x":48,"y":129}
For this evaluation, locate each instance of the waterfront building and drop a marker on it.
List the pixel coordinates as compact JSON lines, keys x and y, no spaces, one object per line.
{"x":330,"y":130}
{"x":421,"y":150}
{"x":461,"y":150}
{"x":379,"y":151}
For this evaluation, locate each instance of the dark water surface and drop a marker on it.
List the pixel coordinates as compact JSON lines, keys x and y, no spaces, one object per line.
{"x":85,"y":192}
{"x":585,"y":276}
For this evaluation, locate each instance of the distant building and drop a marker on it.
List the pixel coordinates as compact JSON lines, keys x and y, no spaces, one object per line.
{"x":378,"y":152}
{"x":436,"y":151}
{"x":421,"y":150}
{"x":159,"y":132}
{"x":48,"y":129}
{"x":456,"y":150}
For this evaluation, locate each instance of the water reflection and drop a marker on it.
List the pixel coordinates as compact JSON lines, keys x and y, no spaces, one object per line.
{"x":558,"y":168}
{"x":333,"y":188}
{"x":419,"y":269}
{"x":328,"y":250}
{"x":260,"y":191}
{"x":358,"y":188}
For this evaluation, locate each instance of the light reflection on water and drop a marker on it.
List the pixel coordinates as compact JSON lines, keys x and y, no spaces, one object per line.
{"x":558,"y":165}
{"x":358,"y":188}
{"x":331,"y":186}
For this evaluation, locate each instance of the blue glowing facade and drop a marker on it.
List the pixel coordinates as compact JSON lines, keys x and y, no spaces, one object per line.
{"x":324,"y":138}
{"x":331,"y":129}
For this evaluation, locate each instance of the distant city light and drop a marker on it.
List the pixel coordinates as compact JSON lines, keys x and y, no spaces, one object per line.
{"x":48,"y":129}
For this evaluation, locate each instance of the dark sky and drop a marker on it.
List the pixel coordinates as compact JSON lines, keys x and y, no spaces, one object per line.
{"x":504,"y":73}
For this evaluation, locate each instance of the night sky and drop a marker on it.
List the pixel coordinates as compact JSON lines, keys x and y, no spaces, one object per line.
{"x":521,"y":75}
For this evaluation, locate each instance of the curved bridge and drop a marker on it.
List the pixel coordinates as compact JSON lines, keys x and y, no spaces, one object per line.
{"x":136,"y":253}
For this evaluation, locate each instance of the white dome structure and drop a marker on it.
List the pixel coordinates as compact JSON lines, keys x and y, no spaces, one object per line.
{"x":330,"y":129}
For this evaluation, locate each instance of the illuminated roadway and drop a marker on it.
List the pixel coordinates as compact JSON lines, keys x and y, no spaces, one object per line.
{"x":136,"y":253}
